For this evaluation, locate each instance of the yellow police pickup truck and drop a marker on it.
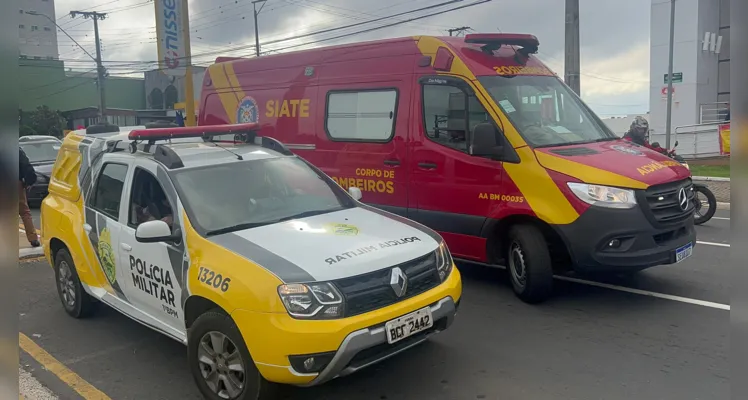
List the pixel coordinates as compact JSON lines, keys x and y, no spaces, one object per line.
{"x":263,"y":266}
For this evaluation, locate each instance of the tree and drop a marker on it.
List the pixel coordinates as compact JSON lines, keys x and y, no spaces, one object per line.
{"x":43,"y":121}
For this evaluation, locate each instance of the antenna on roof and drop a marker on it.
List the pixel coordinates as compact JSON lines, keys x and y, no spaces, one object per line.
{"x":238,"y":156}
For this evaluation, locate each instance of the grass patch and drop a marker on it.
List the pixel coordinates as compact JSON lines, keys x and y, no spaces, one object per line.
{"x":721,"y":171}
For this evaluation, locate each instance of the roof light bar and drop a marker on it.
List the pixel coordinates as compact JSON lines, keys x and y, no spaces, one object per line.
{"x":205,"y":131}
{"x":494,"y":41}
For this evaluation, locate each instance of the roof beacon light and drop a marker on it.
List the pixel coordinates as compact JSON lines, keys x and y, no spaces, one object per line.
{"x":493,"y":41}
{"x":205,"y":131}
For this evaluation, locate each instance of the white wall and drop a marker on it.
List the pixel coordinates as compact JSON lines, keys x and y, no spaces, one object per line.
{"x":39,"y":42}
{"x":685,"y":110}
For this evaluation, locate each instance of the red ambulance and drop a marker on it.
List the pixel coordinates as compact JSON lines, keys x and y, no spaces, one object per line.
{"x":476,"y":138}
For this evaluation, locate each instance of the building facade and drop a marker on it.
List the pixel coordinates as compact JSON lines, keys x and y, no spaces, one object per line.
{"x":163,"y":91}
{"x":701,"y":62}
{"x":37,"y":35}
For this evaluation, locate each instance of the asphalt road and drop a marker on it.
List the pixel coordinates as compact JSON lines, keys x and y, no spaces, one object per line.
{"x":585,"y":343}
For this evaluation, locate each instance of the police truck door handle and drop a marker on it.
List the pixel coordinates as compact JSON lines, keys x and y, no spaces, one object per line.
{"x":87,"y":228}
{"x":426,"y":165}
{"x":392,"y":162}
{"x":125,"y":247}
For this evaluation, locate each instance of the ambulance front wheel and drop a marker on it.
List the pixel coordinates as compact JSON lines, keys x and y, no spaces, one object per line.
{"x":529,"y":264}
{"x":220,"y":361}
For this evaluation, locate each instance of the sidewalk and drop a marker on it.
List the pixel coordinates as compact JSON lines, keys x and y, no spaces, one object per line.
{"x":24,"y":248}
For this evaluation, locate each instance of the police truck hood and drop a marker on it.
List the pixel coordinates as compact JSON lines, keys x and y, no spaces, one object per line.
{"x":331,"y":246}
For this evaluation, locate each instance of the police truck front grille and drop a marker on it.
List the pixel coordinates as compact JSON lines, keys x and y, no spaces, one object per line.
{"x":368,"y":292}
{"x":661,"y":202}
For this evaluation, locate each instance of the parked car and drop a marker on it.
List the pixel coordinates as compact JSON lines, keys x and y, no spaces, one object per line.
{"x":42,"y":153}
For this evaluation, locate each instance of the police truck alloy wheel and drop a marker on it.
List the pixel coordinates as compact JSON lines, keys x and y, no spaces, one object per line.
{"x":76,"y":302}
{"x":220,"y":362}
{"x":529,"y":264}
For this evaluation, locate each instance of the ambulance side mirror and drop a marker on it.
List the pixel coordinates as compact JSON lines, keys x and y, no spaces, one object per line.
{"x":155,"y":232}
{"x":488,"y":141}
{"x":355,"y":193}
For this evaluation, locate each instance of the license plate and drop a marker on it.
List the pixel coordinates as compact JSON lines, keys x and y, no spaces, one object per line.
{"x":408,"y":325}
{"x":683,"y":252}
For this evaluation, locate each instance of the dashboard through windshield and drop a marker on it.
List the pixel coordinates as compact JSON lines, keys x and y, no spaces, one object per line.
{"x":545,"y":111}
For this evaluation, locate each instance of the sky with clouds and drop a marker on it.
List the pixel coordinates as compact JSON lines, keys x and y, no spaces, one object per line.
{"x":614,"y":34}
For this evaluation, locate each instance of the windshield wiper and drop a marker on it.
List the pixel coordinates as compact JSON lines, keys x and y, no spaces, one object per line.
{"x":308,"y":214}
{"x":238,"y":227}
{"x":606,"y":139}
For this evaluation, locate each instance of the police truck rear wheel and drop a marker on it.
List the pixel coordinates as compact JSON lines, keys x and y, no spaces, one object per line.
{"x":76,"y":302}
{"x":220,"y":362}
{"x":529,"y":264}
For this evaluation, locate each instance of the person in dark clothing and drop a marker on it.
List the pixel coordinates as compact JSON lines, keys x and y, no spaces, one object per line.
{"x":26,"y":178}
{"x":637,"y":133}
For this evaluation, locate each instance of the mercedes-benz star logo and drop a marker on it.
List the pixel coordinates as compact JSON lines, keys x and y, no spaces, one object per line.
{"x":682,"y":199}
{"x":398,"y":281}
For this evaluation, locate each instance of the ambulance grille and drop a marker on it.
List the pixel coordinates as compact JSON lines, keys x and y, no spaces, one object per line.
{"x":661,"y":203}
{"x":372,"y":291}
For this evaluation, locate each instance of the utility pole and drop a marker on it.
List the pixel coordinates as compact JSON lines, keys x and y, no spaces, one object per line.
{"x":257,"y":29}
{"x":572,"y":63}
{"x":669,"y":118}
{"x":100,"y":70}
{"x":459,"y":30}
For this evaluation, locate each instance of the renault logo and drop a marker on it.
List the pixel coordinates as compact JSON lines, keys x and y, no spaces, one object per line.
{"x":398,"y":281}
{"x":682,"y":199}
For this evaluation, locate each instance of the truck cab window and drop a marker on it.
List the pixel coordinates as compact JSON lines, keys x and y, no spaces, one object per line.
{"x":449,"y":115}
{"x":109,"y":185}
{"x":148,"y":200}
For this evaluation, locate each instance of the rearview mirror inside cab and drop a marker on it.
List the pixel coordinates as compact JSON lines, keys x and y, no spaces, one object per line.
{"x":154,"y":232}
{"x":355,"y":192}
{"x":487,"y":141}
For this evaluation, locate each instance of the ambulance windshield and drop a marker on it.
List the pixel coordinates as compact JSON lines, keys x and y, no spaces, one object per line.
{"x":544,"y":111}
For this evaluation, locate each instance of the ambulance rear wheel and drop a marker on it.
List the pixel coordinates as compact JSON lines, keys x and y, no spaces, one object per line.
{"x":529,"y":264}
{"x":220,"y":362}
{"x":76,"y":302}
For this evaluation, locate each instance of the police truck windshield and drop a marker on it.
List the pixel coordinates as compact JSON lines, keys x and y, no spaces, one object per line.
{"x":545,"y":112}
{"x":241,"y":195}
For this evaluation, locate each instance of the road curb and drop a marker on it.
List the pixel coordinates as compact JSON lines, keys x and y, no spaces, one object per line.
{"x":723,"y":206}
{"x":710,"y":179}
{"x":30,"y":252}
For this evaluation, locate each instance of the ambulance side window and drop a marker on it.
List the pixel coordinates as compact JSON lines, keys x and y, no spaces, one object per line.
{"x":108,"y":192}
{"x":361,"y":115}
{"x":449,"y":115}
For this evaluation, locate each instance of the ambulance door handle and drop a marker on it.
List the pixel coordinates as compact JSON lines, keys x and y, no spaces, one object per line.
{"x":125,"y":246}
{"x":426,"y":165}
{"x":392,"y":163}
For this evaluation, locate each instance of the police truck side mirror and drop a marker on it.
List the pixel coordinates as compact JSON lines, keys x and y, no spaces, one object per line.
{"x":487,"y":141}
{"x":155,"y":232}
{"x":355,"y":192}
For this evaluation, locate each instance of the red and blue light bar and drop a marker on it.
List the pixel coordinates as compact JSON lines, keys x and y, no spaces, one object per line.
{"x":205,"y":131}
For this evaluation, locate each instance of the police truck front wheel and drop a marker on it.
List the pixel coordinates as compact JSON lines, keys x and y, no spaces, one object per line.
{"x":220,"y":362}
{"x":529,"y":264}
{"x":76,"y":302}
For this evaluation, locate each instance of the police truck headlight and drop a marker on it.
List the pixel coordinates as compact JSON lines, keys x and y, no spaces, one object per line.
{"x":603,"y":196}
{"x":444,"y":261}
{"x":312,"y":300}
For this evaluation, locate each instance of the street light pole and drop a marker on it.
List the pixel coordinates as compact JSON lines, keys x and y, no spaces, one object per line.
{"x":257,"y":29}
{"x":669,"y":118}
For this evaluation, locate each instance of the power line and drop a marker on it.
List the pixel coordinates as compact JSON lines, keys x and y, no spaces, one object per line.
{"x":47,"y":95}
{"x":384,"y":26}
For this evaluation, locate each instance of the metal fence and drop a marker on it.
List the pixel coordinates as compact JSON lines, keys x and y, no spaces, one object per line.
{"x":694,"y":141}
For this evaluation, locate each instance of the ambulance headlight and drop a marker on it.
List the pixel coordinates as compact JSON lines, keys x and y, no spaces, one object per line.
{"x":319,"y":300}
{"x":444,"y":261}
{"x":603,"y":196}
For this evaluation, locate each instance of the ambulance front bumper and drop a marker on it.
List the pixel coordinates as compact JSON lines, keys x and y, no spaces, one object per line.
{"x":613,"y":240}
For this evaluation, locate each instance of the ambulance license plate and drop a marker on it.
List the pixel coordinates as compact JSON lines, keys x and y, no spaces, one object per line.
{"x":408,"y":325}
{"x":683,"y":252}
